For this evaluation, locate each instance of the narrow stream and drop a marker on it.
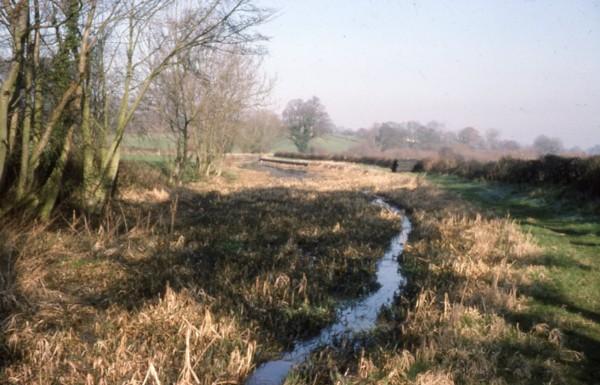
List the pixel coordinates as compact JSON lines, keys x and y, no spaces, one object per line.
{"x":352,"y":317}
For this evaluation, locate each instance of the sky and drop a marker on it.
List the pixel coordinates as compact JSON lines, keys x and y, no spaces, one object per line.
{"x":523,"y":67}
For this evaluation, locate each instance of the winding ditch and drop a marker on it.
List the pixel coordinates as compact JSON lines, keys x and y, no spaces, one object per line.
{"x":352,"y":316}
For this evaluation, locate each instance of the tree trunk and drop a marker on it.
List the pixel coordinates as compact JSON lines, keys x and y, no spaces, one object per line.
{"x":33,"y":107}
{"x":90,"y":171}
{"x":25,"y":137}
{"x":51,"y":188}
{"x":7,"y":91}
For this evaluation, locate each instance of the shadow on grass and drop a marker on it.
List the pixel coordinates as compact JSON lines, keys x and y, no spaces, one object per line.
{"x":275,"y":258}
{"x":547,"y":294}
{"x":587,"y":370}
{"x":569,"y":234}
{"x":11,"y":299}
{"x":586,"y":244}
{"x":552,"y":261}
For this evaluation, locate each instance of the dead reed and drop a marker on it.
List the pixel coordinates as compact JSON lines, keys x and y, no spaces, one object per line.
{"x":453,"y":325}
{"x":249,"y":262}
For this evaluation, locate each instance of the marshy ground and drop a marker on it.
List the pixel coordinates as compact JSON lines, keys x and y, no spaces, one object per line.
{"x":201,"y":284}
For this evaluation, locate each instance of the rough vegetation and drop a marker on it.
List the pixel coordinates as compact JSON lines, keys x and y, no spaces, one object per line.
{"x":205,"y":288}
{"x":202,"y":283}
{"x":469,"y":276}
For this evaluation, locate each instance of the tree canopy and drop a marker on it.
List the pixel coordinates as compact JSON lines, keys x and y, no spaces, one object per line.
{"x":306,"y":120}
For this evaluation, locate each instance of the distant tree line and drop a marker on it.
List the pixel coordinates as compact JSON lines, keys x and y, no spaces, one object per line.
{"x":433,"y":136}
{"x":305,"y":120}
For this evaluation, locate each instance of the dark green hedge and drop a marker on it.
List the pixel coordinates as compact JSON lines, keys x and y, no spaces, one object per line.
{"x":582,"y":174}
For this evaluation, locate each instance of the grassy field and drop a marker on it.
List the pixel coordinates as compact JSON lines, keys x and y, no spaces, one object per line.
{"x":153,"y":148}
{"x":150,"y":141}
{"x":330,"y":143}
{"x":567,"y":295}
{"x":146,"y":157}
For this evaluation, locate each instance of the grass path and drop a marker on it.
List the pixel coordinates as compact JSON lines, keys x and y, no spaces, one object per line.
{"x":567,"y":296}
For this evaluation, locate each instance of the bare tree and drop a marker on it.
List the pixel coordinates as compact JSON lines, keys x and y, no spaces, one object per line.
{"x":509,"y":145}
{"x":471,"y":137}
{"x":77,"y":72}
{"x":175,"y":99}
{"x":259,"y":130}
{"x":546,"y":145}
{"x":203,"y":98}
{"x":393,"y":135}
{"x":306,"y":120}
{"x":492,"y":138}
{"x":234,"y":87}
{"x":15,"y":18}
{"x":214,"y":24}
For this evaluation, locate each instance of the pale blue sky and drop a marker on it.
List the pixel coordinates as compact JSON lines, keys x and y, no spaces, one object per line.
{"x":523,"y":67}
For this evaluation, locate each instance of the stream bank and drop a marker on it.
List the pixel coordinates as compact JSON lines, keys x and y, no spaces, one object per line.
{"x":352,"y":316}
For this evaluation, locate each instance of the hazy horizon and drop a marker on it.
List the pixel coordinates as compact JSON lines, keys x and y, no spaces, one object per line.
{"x":524,"y":68}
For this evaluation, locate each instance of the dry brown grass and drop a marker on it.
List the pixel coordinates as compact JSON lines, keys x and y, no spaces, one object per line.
{"x":454,"y":326}
{"x":255,"y":259}
{"x":62,"y":324}
{"x":125,"y":298}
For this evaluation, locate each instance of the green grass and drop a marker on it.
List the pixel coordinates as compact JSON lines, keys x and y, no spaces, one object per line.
{"x":148,"y":141}
{"x":330,"y":143}
{"x":149,"y":158}
{"x":568,"y":297}
{"x":334,"y":143}
{"x":283,"y":145}
{"x":163,"y":164}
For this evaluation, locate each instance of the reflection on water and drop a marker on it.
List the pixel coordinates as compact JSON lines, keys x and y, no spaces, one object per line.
{"x":352,"y":317}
